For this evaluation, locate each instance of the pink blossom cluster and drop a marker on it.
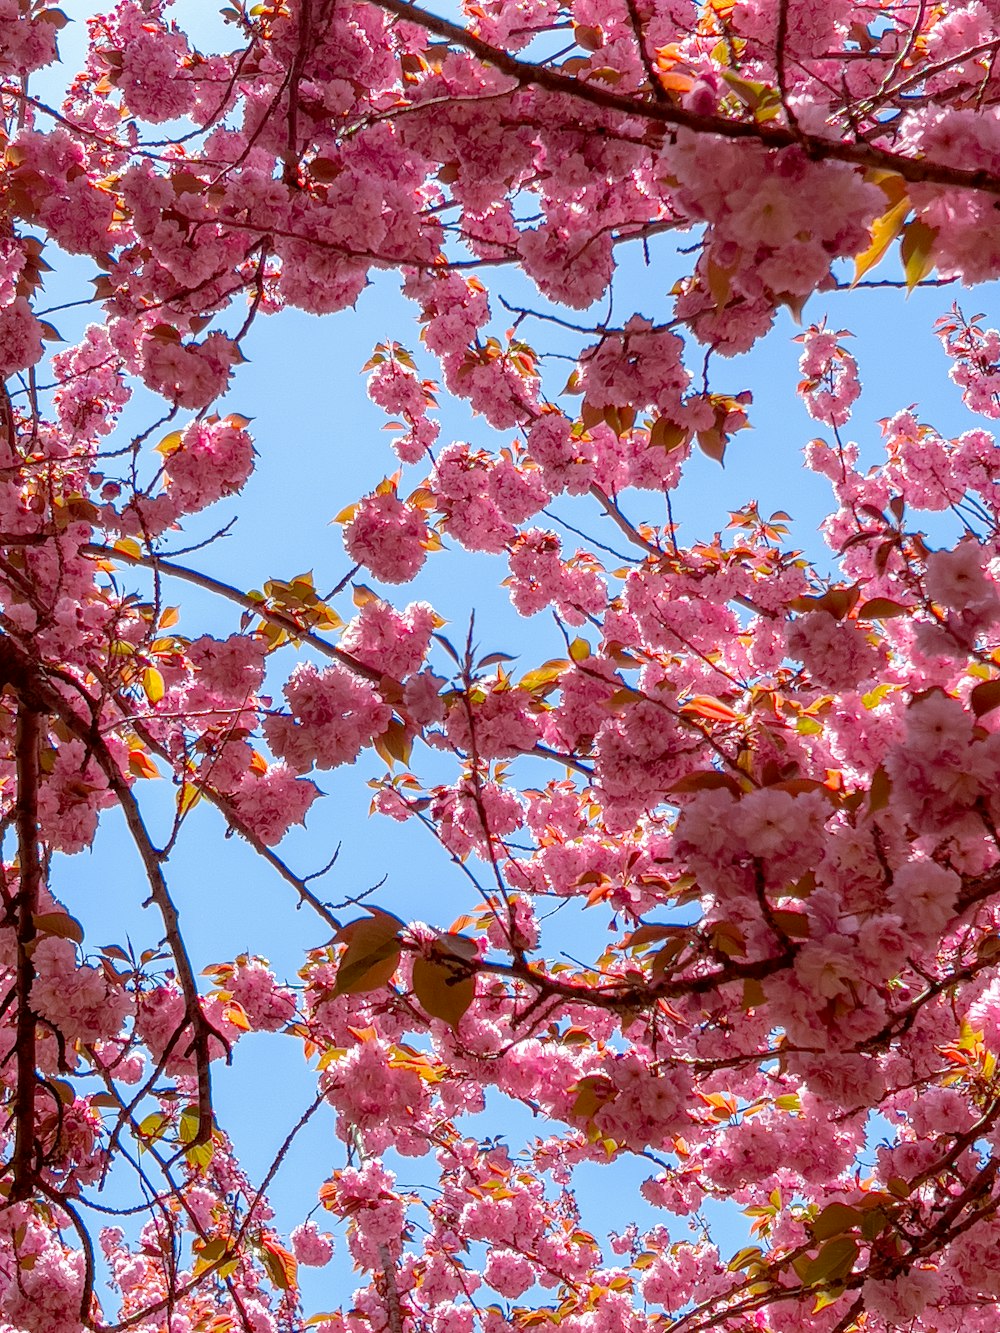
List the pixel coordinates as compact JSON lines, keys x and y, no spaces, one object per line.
{"x":484,"y":497}
{"x":539,"y":578}
{"x":332,"y":716}
{"x":388,"y":536}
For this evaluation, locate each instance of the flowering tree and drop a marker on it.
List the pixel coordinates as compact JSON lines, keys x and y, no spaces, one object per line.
{"x":779,"y":781}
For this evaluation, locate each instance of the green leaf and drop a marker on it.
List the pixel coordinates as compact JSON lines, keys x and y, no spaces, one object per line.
{"x":154,"y":1126}
{"x":748,"y":1257}
{"x":592,"y":1092}
{"x":201,"y":1155}
{"x":826,"y":1298}
{"x":833,"y":1263}
{"x":543,"y":678}
{"x":189,"y":1122}
{"x":152,"y":684}
{"x":213,"y":1250}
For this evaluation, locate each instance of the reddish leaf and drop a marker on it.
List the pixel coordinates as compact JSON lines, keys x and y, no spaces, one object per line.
{"x":707,"y":706}
{"x":443,"y":990}
{"x":985,"y":697}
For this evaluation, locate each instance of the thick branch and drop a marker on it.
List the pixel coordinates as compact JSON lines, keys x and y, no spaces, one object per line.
{"x":38,"y":695}
{"x":767,"y":134}
{"x":28,"y":734}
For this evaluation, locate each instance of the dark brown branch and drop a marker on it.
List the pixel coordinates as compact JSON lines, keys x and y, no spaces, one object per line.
{"x":28,"y":734}
{"x":768,"y":135}
{"x":39,"y":695}
{"x":392,"y":1309}
{"x":160,"y":895}
{"x":635,"y":18}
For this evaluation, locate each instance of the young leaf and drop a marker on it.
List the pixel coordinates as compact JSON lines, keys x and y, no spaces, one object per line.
{"x":443,"y":990}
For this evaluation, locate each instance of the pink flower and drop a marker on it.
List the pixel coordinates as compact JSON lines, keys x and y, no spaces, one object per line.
{"x":271,"y":802}
{"x":958,"y":581}
{"x":925,"y":895}
{"x":837,"y":653}
{"x":509,"y":1273}
{"x":333,"y":715}
{"x":388,"y":537}
{"x":76,"y":999}
{"x":394,"y":642}
{"x":312,"y":1247}
{"x":268,"y":1006}
{"x":20,"y":338}
{"x":189,"y":374}
{"x":207,"y":461}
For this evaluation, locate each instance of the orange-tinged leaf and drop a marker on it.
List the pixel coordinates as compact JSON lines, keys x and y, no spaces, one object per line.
{"x":362,"y":595}
{"x":372,"y":953}
{"x":719,"y":282}
{"x":884,"y":231}
{"x":651,"y":933}
{"x":728,"y":938}
{"x":459,"y":946}
{"x":882,"y":608}
{"x":667,"y":435}
{"x":985,"y":697}
{"x":917,"y":251}
{"x":394,"y":744}
{"x":152,"y":684}
{"x":707,"y":779}
{"x":141,"y":766}
{"x":444,"y":990}
{"x":880,"y":791}
{"x":63,"y":925}
{"x":282,"y":1266}
{"x":713,"y":443}
{"x":168,"y":445}
{"x":236,"y":1015}
{"x":707,"y":706}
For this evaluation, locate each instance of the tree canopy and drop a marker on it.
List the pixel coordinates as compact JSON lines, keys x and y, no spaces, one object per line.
{"x":770,"y":781}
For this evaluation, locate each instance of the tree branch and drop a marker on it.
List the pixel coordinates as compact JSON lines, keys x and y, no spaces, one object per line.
{"x":767,"y":134}
{"x":28,"y":735}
